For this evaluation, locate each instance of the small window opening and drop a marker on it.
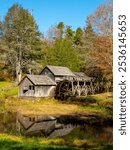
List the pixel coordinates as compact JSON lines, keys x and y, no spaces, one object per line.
{"x":31,"y":87}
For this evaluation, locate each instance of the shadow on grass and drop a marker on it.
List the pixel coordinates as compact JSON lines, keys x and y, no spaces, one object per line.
{"x":82,"y":100}
{"x":13,"y":145}
{"x":109,"y":147}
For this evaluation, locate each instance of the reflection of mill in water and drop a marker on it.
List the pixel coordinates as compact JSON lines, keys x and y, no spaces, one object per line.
{"x":46,"y":125}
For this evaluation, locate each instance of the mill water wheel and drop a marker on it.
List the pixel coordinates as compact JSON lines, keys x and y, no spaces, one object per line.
{"x":63,"y":90}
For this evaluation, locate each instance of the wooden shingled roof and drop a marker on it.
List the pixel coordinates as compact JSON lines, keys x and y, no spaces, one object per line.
{"x":59,"y":70}
{"x":81,"y":76}
{"x":40,"y":80}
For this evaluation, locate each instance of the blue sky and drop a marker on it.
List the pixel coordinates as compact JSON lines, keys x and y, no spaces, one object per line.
{"x":50,"y":12}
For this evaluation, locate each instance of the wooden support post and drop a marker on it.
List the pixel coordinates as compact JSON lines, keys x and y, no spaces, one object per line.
{"x":78,"y":84}
{"x":72,"y":87}
{"x":79,"y":89}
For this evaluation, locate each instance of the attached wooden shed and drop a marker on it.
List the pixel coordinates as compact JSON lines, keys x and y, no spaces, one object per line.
{"x":37,"y":86}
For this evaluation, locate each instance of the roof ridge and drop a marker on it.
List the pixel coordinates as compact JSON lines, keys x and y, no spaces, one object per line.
{"x":41,"y":79}
{"x":57,"y":66}
{"x":60,"y":70}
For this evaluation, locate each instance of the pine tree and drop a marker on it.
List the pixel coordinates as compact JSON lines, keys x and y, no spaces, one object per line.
{"x":87,"y":47}
{"x":60,"y":28}
{"x":62,"y":53}
{"x":22,"y":37}
{"x":78,"y":37}
{"x":69,"y":33}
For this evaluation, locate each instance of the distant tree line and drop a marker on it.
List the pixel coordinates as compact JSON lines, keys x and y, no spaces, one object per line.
{"x":87,"y":49}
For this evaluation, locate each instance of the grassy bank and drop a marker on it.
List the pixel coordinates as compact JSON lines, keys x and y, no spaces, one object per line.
{"x":9,"y":142}
{"x":100,"y":104}
{"x":7,"y":89}
{"x":42,"y":106}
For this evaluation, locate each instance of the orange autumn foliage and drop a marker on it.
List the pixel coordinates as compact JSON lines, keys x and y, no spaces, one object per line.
{"x":102,"y":54}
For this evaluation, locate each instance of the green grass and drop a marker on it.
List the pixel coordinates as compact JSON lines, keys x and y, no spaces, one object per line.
{"x":7,"y":90}
{"x":9,"y":142}
{"x":11,"y":145}
{"x":98,"y":103}
{"x":94,"y":109}
{"x":5,"y":84}
{"x":108,"y":147}
{"x":96,"y":97}
{"x":13,"y":91}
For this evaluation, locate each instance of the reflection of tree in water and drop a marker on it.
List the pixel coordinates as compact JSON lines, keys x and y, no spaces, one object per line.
{"x":97,"y":135}
{"x":8,"y":122}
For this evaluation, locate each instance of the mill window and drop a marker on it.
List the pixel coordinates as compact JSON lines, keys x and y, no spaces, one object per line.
{"x":31,"y":87}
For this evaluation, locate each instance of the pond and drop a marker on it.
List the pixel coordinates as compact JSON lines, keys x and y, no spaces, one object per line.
{"x":51,"y":127}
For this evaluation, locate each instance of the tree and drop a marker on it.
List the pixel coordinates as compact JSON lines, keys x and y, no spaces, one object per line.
{"x":102,"y":19}
{"x":102,"y":56}
{"x":60,"y":28}
{"x":69,"y":33}
{"x":1,"y":28}
{"x":78,"y":37}
{"x":102,"y":23}
{"x":2,"y":42}
{"x":88,"y":36}
{"x":22,"y":37}
{"x":87,"y":46}
{"x":62,"y":53}
{"x":98,"y":44}
{"x":56,"y":32}
{"x":3,"y":51}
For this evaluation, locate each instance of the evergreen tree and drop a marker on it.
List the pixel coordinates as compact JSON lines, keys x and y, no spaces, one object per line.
{"x":87,"y":47}
{"x":88,"y":36}
{"x":69,"y":33}
{"x":78,"y":37}
{"x":64,"y":54}
{"x":60,"y":28}
{"x":22,"y":37}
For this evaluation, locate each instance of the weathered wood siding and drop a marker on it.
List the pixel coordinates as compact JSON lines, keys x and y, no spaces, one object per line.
{"x":46,"y":71}
{"x":24,"y":88}
{"x":38,"y":91}
{"x":44,"y":91}
{"x":57,"y":79}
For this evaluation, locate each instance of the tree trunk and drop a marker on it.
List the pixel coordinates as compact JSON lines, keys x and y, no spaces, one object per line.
{"x":18,"y":72}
